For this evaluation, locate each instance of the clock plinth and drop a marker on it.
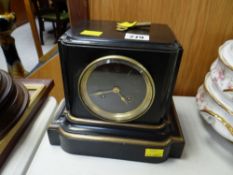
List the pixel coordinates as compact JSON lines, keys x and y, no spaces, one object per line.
{"x":145,"y":143}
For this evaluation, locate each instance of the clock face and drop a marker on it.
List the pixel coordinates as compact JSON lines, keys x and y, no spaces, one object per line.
{"x":116,"y":88}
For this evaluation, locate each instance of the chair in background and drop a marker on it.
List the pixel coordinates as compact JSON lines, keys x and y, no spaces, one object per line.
{"x":54,"y":11}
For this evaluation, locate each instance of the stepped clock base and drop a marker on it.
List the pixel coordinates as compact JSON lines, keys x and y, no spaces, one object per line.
{"x":150,"y":143}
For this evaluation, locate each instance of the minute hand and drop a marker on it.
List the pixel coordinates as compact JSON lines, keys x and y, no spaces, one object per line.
{"x":101,"y":92}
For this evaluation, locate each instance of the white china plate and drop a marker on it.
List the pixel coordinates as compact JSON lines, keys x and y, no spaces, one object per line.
{"x":222,"y":77}
{"x":226,"y":53}
{"x":217,"y":126}
{"x":217,"y":95}
{"x":213,"y":114}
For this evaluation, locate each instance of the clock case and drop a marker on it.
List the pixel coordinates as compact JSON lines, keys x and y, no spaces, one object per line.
{"x":155,"y":136}
{"x":161,"y":56}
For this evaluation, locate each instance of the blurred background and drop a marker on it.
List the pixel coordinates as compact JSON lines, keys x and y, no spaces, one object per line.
{"x":201,"y":26}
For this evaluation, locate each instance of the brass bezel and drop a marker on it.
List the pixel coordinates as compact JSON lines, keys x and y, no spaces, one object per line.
{"x":116,"y":117}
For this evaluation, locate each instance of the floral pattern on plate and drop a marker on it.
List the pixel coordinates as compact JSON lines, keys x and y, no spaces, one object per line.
{"x":214,"y":115}
{"x":215,"y":97}
{"x":222,"y":77}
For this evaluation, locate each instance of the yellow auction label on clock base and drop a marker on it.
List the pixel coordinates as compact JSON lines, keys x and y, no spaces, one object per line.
{"x":91,"y":33}
{"x":152,"y":152}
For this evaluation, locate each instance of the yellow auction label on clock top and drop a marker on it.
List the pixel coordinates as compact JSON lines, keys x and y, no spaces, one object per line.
{"x":91,"y":33}
{"x":152,"y":152}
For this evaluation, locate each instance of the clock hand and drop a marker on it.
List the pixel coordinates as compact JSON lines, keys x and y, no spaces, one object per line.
{"x":98,"y":93}
{"x":122,"y":98}
{"x":117,"y":90}
{"x":113,"y":90}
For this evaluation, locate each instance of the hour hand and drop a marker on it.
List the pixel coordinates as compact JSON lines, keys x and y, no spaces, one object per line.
{"x":122,"y":98}
{"x":98,"y":93}
{"x":117,"y":91}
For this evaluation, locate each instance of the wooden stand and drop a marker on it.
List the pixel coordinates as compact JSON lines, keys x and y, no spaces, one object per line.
{"x":38,"y":91}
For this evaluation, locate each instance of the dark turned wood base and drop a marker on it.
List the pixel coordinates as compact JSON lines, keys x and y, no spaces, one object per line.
{"x":14,"y":99}
{"x":38,"y":91}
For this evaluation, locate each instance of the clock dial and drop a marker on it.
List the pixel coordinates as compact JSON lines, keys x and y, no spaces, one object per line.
{"x":116,"y":88}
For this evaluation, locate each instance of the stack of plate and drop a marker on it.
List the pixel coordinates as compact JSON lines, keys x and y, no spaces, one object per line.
{"x":215,"y":96}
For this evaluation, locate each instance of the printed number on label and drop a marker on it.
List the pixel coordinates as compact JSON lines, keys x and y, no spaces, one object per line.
{"x":137,"y":37}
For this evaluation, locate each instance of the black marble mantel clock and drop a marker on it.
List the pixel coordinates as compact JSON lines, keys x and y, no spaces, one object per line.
{"x":118,"y":86}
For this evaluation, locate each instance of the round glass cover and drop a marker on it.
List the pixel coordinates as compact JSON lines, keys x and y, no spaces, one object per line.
{"x":116,"y":88}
